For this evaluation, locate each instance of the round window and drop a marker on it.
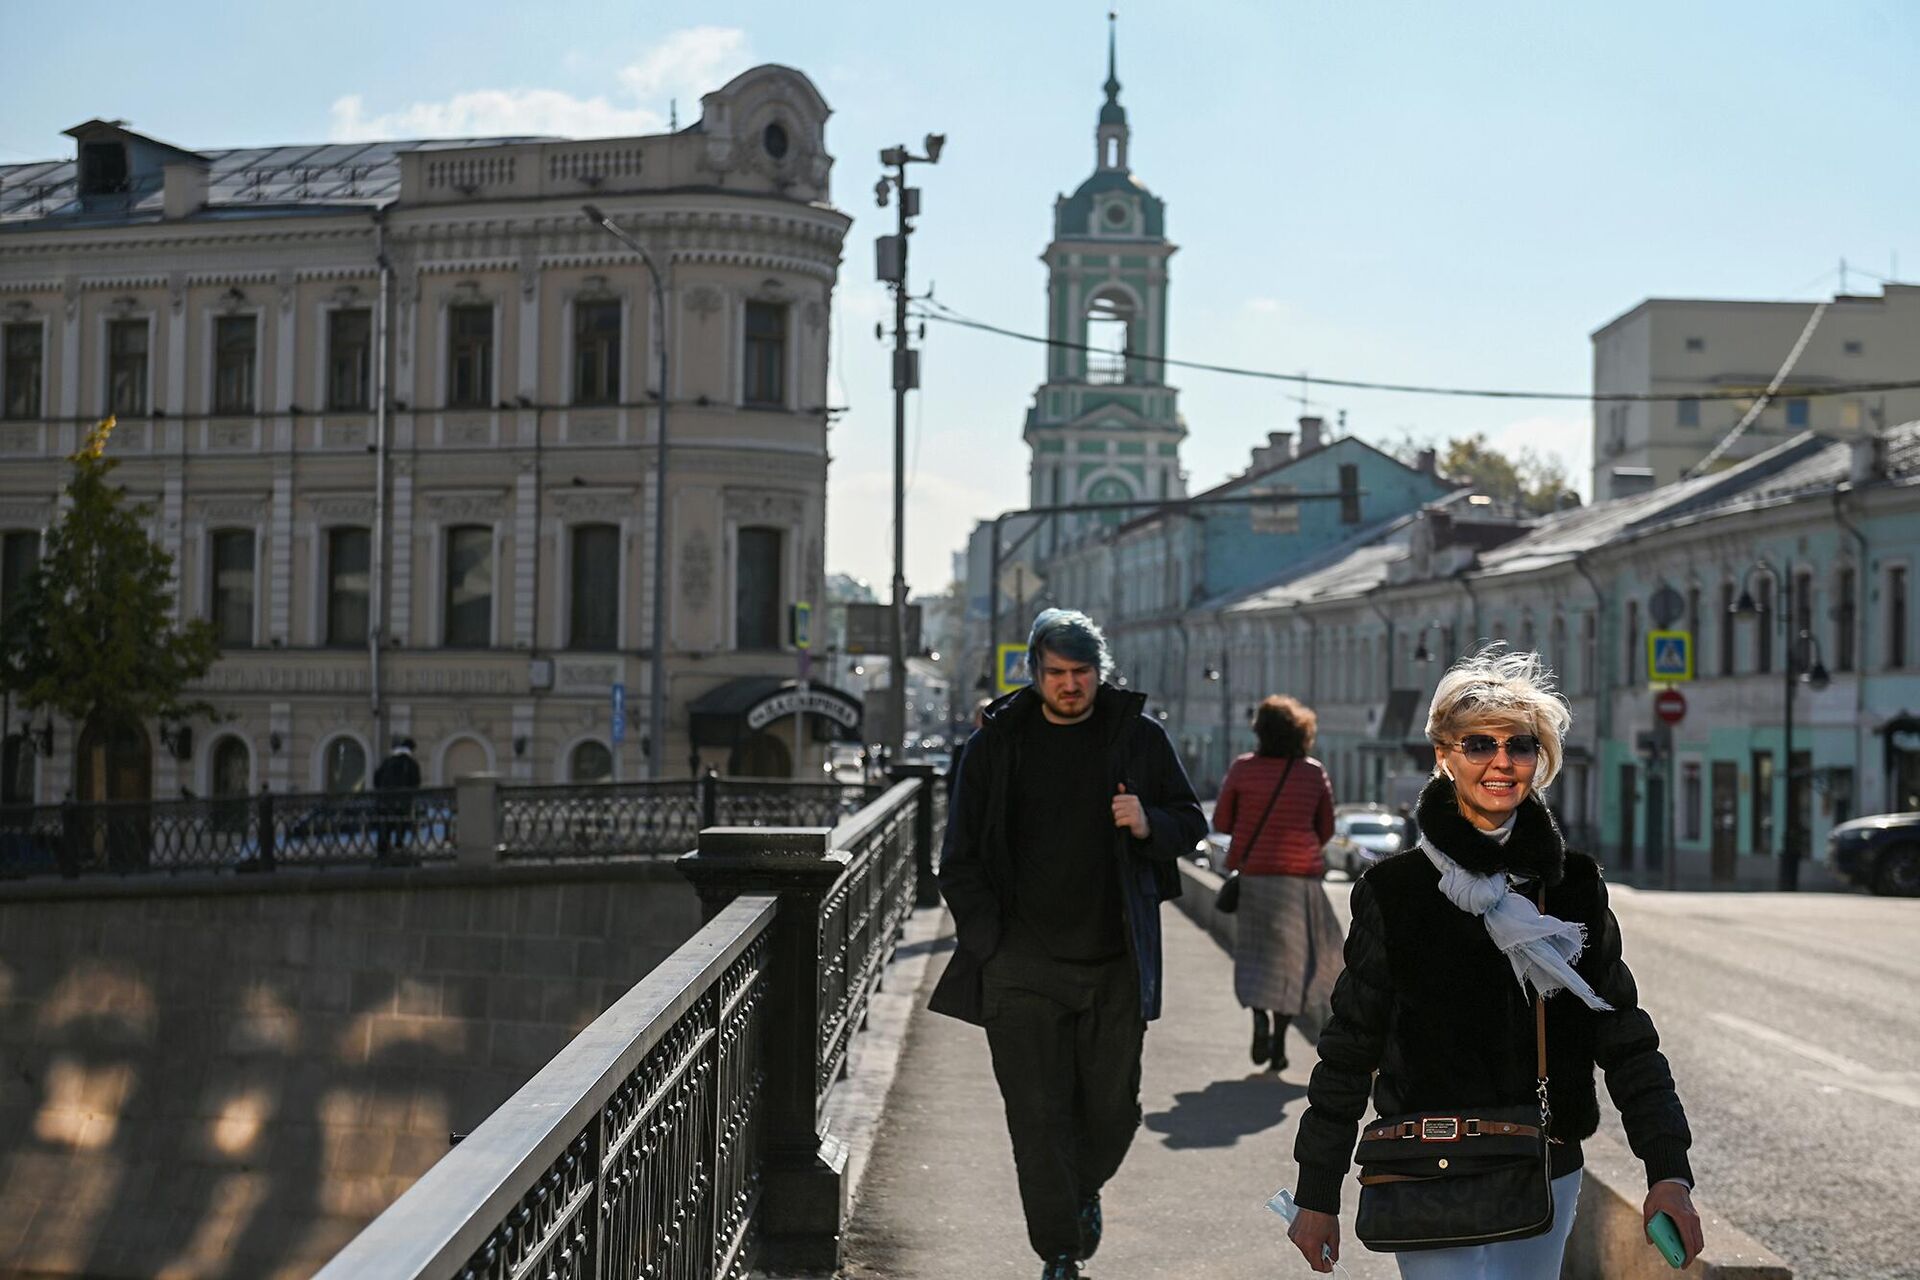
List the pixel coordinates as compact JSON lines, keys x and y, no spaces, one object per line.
{"x":1116,"y":214}
{"x":774,"y":139}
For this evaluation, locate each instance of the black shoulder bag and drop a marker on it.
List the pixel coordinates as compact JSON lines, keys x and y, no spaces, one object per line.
{"x":1456,"y":1179}
{"x":1228,"y":899}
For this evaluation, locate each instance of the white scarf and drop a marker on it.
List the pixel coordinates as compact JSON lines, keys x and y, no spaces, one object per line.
{"x":1540,"y":947}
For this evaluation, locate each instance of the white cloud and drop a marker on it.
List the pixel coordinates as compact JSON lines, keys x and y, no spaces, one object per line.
{"x":685,"y":65}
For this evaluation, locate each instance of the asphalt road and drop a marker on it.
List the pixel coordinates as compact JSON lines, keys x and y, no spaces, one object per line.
{"x":1793,"y":1025}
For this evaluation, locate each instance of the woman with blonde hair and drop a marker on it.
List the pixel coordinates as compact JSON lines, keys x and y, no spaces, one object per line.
{"x":1484,"y":985}
{"x":1278,"y":806}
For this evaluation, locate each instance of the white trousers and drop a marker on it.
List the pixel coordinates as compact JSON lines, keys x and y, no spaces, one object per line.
{"x":1535,"y":1258}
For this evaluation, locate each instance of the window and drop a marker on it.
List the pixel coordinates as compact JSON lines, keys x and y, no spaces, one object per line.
{"x":1690,"y":800}
{"x":231,"y":765}
{"x":1802,"y":625}
{"x":756,"y":590}
{"x":1897,"y":615}
{"x":469,"y":357}
{"x":1349,"y":493}
{"x":17,"y":769}
{"x":1693,"y":625}
{"x":1725,"y":621}
{"x":1762,"y":802}
{"x":1696,"y":344}
{"x":1590,"y":653}
{"x":469,"y":589}
{"x":350,"y":361}
{"x":19,"y":557}
{"x":766,"y":350}
{"x":1689,"y":413}
{"x":233,"y":587}
{"x":590,"y":762}
{"x":343,"y":767}
{"x":1763,"y":629}
{"x":1632,"y":667}
{"x":127,"y":367}
{"x":25,"y":357}
{"x":595,"y":581}
{"x":1845,"y":620}
{"x":103,"y":168}
{"x":233,"y":358}
{"x":1797,"y":415}
{"x":596,"y":352}
{"x":1558,"y":655}
{"x":349,"y":561}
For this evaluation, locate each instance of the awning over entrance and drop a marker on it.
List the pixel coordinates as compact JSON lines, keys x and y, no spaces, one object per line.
{"x":722,"y":716}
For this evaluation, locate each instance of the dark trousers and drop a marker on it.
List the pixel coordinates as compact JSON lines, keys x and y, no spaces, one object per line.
{"x":1066,"y":1042}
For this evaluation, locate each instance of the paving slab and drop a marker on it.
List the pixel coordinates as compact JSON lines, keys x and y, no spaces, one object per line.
{"x":938,"y":1200}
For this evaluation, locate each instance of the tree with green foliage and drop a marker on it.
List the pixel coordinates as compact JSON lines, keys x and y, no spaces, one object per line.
{"x":93,"y":637}
{"x":1528,"y":480}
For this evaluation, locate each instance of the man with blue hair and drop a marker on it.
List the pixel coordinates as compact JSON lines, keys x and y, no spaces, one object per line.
{"x":1070,"y":813}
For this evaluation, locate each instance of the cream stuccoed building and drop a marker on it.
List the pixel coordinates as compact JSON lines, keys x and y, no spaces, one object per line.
{"x":394,"y":408}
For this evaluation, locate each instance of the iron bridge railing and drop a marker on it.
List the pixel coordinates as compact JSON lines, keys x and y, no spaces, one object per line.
{"x":678,"y":1135}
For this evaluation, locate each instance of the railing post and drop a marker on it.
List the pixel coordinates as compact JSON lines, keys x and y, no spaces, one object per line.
{"x":709,"y":786}
{"x":926,"y":888}
{"x":71,"y":838}
{"x":804,"y":1205}
{"x":476,"y":821}
{"x":263,"y":820}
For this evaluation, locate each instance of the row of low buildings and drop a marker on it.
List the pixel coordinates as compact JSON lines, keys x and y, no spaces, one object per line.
{"x":394,"y":407}
{"x":1822,"y":535}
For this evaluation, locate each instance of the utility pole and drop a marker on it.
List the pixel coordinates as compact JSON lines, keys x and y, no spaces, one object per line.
{"x":657,"y":665}
{"x":891,"y":262}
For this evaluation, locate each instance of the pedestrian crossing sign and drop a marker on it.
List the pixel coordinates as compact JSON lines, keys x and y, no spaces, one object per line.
{"x":1012,"y":670}
{"x":1669,"y":656}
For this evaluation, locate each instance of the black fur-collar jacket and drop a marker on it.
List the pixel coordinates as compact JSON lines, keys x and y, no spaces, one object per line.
{"x":1429,"y":1002}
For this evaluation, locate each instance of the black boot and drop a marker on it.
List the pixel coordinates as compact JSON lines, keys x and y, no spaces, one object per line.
{"x":1278,"y":1062}
{"x":1262,"y":1038}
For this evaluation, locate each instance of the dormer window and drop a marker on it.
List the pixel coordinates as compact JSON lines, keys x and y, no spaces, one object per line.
{"x":103,"y":168}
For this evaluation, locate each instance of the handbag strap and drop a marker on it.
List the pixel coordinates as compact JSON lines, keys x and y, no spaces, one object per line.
{"x":1540,"y":1032}
{"x":1262,"y":824}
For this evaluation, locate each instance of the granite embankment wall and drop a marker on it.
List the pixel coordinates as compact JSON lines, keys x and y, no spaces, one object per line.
{"x":230,"y":1076}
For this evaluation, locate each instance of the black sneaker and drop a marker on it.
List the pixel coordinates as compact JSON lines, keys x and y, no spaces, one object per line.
{"x":1063,"y":1267}
{"x":1262,"y":1038}
{"x":1091,"y":1225}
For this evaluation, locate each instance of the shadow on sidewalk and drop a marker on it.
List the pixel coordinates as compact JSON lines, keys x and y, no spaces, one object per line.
{"x":1225,"y":1111}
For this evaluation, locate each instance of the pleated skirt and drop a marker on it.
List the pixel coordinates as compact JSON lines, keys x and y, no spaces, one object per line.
{"x":1287,"y":947}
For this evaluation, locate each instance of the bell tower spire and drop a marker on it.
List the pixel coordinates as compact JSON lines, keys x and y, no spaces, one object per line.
{"x":1111,"y":136}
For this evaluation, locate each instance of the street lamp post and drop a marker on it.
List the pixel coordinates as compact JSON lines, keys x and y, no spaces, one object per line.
{"x":1221,"y":673}
{"x":891,"y":260}
{"x":1812,"y":673}
{"x":657,"y":667}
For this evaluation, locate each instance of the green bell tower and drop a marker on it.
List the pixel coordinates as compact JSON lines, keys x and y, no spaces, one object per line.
{"x":1105,"y":426}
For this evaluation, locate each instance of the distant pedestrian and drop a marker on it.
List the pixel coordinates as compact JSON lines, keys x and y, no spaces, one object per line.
{"x":1277,"y":804}
{"x":1443,"y":1014}
{"x":394,"y":783}
{"x":1063,"y":839}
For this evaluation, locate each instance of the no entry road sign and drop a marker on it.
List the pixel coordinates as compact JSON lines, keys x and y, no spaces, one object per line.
{"x":1670,"y":705}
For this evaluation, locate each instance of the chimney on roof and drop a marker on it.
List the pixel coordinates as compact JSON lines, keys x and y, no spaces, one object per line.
{"x":1868,"y":460}
{"x":184,"y":190}
{"x":1277,"y":449}
{"x":1427,"y":462}
{"x":1310,"y":434}
{"x":1630,"y":482}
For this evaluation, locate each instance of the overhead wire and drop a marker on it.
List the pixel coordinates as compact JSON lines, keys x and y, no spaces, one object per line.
{"x":941,"y":313}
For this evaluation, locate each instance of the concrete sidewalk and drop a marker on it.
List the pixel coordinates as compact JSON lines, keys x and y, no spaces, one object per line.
{"x":938,"y":1200}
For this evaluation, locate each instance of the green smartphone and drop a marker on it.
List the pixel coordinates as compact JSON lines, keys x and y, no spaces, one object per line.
{"x":1666,"y":1238}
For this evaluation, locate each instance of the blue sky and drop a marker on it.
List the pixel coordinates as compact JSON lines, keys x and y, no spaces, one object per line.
{"x":1454,"y":193}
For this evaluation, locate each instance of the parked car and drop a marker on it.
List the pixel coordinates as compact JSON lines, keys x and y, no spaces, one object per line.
{"x":1362,"y":835}
{"x":1881,"y":852}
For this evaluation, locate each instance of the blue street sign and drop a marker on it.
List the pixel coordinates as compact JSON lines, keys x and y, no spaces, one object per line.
{"x":1670,"y":655}
{"x":619,"y":714}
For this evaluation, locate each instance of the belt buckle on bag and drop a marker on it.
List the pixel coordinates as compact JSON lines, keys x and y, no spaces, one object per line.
{"x":1440,"y":1129}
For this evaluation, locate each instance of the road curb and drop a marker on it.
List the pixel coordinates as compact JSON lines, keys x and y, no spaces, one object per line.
{"x":1608,"y":1241}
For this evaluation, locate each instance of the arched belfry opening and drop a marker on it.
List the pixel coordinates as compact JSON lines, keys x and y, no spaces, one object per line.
{"x":1110,"y":332}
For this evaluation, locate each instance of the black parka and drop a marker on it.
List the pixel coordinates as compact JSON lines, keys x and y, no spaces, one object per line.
{"x":1431,"y":1004}
{"x":976,"y":868}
